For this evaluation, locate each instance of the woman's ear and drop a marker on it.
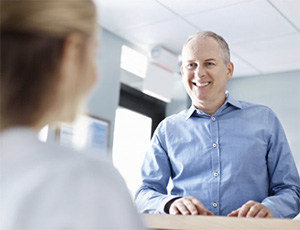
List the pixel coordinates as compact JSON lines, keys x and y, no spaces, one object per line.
{"x":72,"y":48}
{"x":71,"y":56}
{"x":69,"y":75}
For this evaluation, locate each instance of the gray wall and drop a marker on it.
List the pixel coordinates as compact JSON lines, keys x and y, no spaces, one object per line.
{"x":280,"y":92}
{"x":180,"y":99}
{"x":104,"y":98}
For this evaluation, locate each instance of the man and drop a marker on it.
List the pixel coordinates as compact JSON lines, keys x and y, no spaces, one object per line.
{"x":225,"y":157}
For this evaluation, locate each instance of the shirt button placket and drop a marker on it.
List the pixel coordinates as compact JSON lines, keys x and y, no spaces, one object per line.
{"x":215,"y":164}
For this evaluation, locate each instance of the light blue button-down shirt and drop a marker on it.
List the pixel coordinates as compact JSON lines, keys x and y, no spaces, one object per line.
{"x":239,"y":154}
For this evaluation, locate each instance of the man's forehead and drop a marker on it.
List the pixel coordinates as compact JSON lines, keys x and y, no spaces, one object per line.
{"x":200,"y":46}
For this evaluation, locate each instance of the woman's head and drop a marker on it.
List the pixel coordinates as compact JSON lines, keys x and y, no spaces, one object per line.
{"x":47,"y":59}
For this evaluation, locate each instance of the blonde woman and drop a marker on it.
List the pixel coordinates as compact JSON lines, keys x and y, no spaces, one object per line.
{"x":47,"y":67}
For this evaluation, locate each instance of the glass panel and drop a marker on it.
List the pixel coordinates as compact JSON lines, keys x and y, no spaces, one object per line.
{"x":131,"y":138}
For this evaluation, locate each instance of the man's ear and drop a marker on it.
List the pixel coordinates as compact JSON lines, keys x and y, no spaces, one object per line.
{"x":230,"y":69}
{"x":181,"y":71}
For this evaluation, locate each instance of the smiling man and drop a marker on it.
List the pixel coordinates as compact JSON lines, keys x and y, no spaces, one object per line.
{"x":225,"y":157}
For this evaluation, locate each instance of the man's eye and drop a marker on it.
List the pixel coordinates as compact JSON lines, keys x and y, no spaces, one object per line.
{"x":191,"y":65}
{"x":210,"y":63}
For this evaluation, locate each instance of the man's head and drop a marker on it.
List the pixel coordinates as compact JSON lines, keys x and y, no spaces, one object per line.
{"x":224,"y":48}
{"x":206,"y":68}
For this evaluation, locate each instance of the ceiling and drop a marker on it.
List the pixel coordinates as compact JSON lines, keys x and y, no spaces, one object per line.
{"x":263,"y":35}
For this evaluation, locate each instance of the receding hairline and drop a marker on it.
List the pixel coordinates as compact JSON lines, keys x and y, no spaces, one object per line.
{"x":224,"y":48}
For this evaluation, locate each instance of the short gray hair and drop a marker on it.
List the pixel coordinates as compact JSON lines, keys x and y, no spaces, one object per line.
{"x":225,"y":52}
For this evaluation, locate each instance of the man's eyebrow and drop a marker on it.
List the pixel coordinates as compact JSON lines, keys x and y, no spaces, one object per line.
{"x":210,"y":59}
{"x":189,"y":61}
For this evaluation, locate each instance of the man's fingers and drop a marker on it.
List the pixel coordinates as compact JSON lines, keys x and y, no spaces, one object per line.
{"x":209,"y":213}
{"x":245,"y":208}
{"x":173,"y":210}
{"x":201,"y":210}
{"x":243,"y":212}
{"x":269,"y":215}
{"x":182,"y":208}
{"x":192,"y":208}
{"x":254,"y":210}
{"x":188,"y":206}
{"x":262,"y":214}
{"x":234,"y":213}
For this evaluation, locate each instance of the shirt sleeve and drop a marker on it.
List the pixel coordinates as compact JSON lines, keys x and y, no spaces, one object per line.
{"x":152,"y":196}
{"x":284,"y":186}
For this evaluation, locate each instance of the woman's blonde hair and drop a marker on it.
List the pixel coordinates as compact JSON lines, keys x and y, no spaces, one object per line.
{"x":55,"y":18}
{"x":33,"y":34}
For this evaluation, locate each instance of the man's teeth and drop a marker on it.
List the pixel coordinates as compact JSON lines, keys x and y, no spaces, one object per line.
{"x":201,"y":84}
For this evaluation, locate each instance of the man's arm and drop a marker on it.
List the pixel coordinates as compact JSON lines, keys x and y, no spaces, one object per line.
{"x":284,"y":183}
{"x":152,"y":196}
{"x":284,"y":187}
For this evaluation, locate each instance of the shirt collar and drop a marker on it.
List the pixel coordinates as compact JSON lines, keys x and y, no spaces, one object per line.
{"x":229,"y":100}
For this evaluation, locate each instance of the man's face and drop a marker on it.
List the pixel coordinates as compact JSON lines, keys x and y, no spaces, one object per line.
{"x":204,"y":73}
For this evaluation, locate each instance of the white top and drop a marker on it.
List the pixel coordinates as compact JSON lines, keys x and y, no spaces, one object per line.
{"x":45,"y":186}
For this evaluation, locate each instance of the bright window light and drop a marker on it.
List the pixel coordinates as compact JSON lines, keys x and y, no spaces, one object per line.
{"x":131,"y":139}
{"x":43,"y":134}
{"x":133,"y":61}
{"x":156,"y":95}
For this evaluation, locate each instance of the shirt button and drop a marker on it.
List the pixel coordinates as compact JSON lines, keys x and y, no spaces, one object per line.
{"x":214,"y":145}
{"x":216,"y":174}
{"x":215,"y":205}
{"x":213,"y":118}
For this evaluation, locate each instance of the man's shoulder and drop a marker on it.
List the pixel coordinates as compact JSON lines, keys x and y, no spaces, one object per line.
{"x":174,"y":120}
{"x":177,"y":117}
{"x":254,"y":107}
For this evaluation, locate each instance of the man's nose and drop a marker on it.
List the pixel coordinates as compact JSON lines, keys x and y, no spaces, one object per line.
{"x":199,"y":72}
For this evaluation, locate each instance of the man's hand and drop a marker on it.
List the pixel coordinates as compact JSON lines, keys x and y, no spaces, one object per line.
{"x":252,"y":209}
{"x":188,"y":206}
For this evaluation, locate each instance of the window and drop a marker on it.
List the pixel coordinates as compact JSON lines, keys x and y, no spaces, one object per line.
{"x":134,"y":62}
{"x":131,"y":138}
{"x":43,"y":133}
{"x":136,"y":119}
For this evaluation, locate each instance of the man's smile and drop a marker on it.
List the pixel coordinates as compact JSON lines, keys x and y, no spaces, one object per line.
{"x":201,"y":84}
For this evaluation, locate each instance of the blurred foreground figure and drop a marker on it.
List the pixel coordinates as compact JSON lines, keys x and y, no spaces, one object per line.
{"x":47,"y":67}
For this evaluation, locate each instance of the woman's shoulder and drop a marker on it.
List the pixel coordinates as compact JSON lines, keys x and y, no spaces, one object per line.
{"x":67,"y":181}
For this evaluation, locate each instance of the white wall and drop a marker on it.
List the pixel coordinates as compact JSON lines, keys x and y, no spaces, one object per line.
{"x":280,"y":92}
